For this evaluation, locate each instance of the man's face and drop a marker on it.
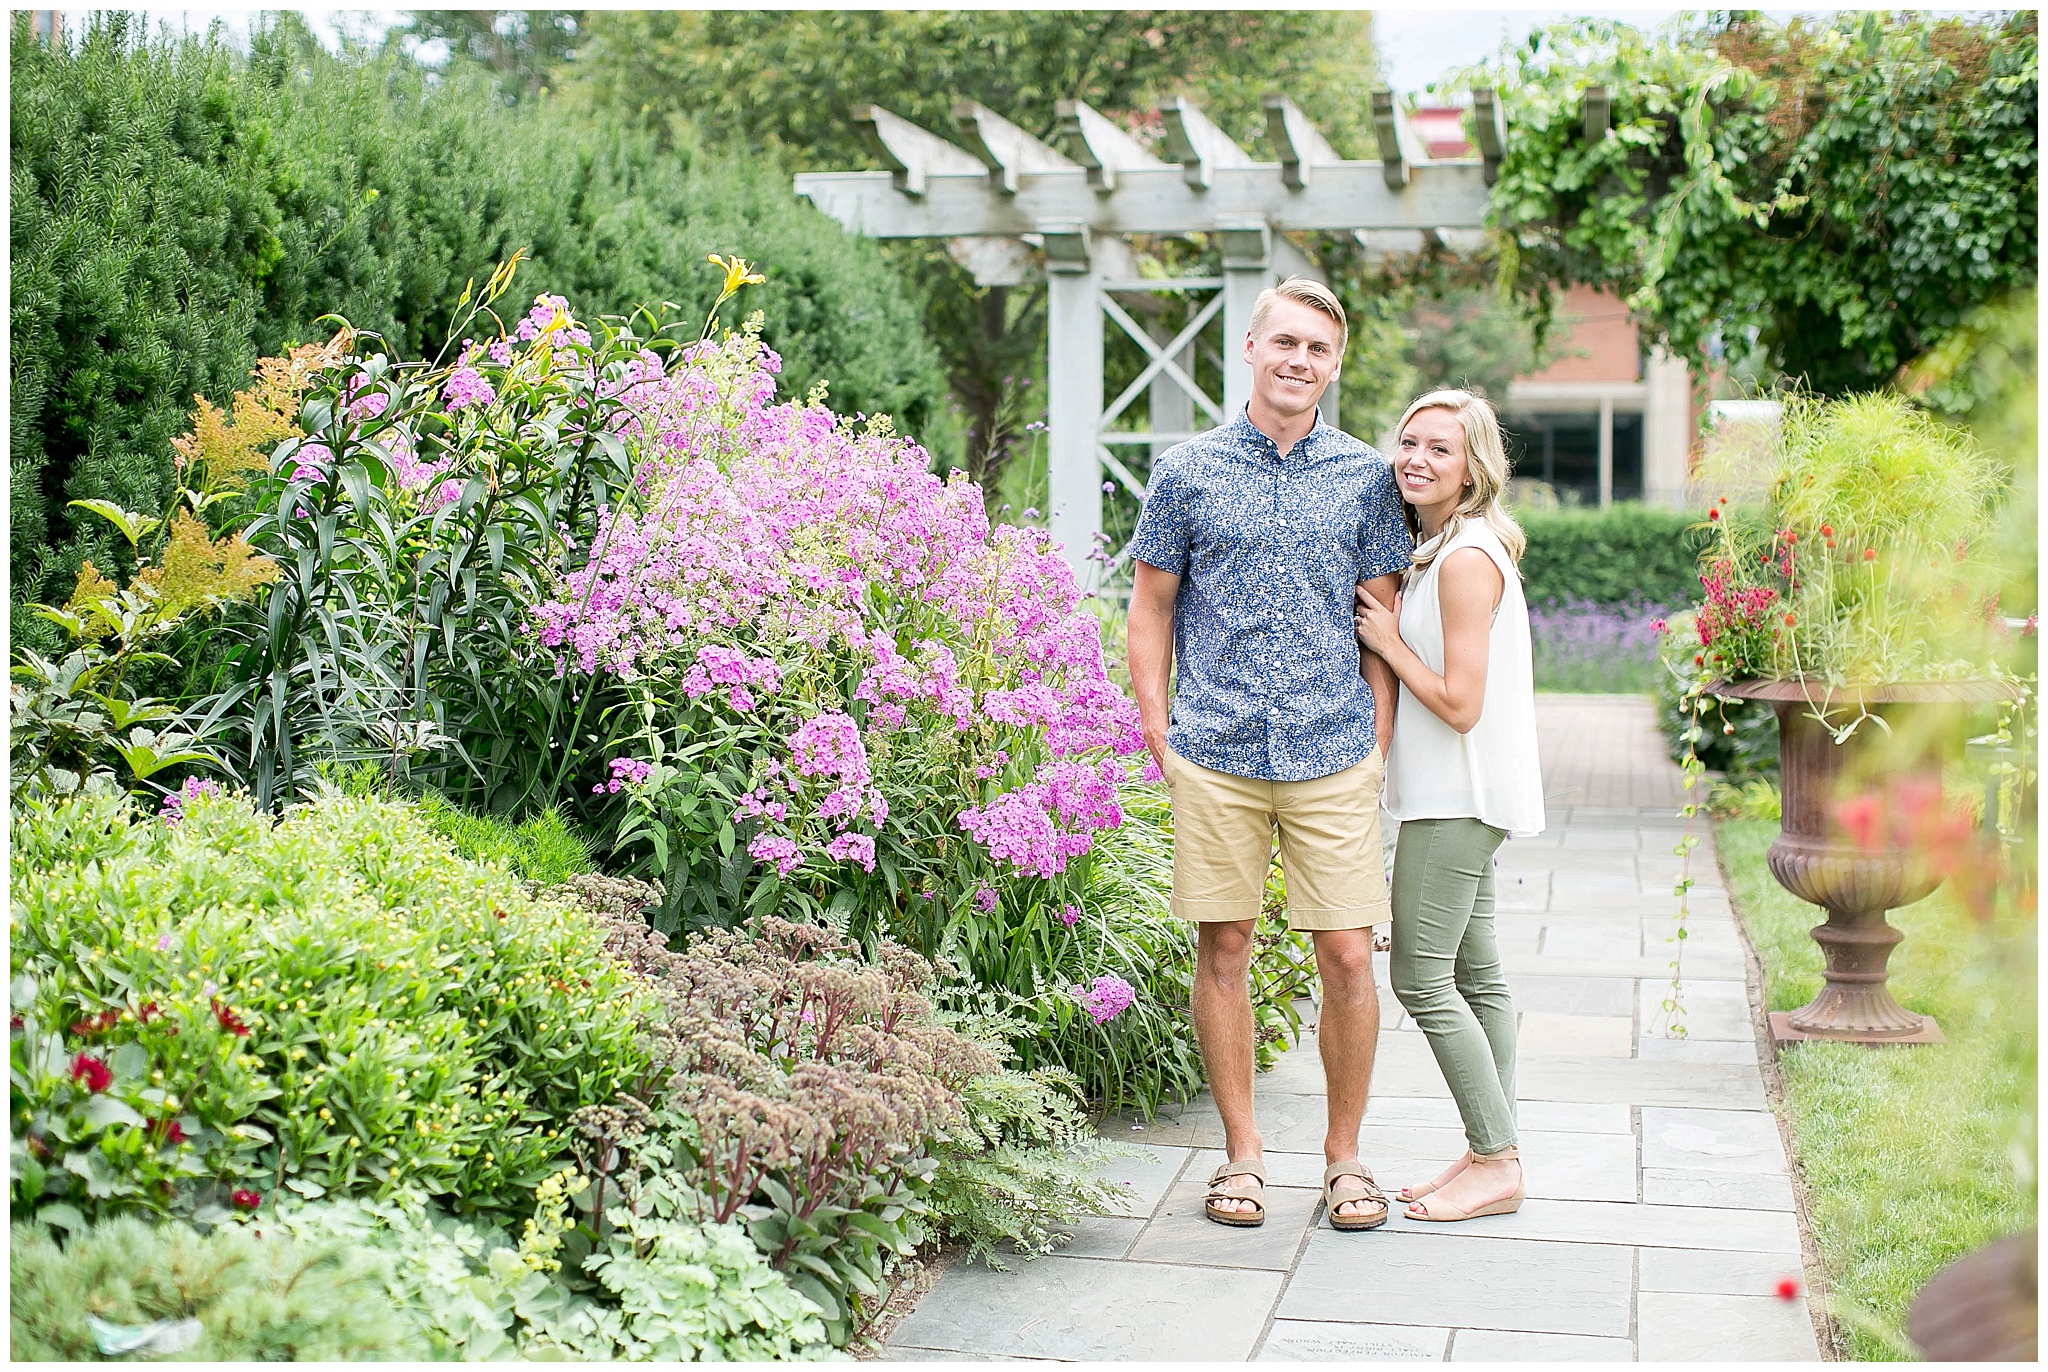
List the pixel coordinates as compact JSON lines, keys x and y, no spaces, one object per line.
{"x":1292,"y":356}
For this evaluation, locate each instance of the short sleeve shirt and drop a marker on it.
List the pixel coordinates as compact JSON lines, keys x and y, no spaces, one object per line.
{"x":1269,"y":550}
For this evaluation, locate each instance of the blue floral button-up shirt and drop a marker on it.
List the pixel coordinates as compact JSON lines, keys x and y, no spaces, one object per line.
{"x":1269,"y":550}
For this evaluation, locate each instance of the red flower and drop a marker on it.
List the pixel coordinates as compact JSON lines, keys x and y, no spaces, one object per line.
{"x":1788,"y":1288}
{"x":1862,"y":818}
{"x":1788,"y":621}
{"x":1870,"y":554}
{"x":1699,"y":660}
{"x":96,"y":1075}
{"x":245,"y":1199}
{"x":14,"y":1021}
{"x":96,"y":1024}
{"x":167,"y":1131}
{"x":148,"y":1012}
{"x":1714,"y":514}
{"x":1827,"y":531}
{"x":230,"y":1021}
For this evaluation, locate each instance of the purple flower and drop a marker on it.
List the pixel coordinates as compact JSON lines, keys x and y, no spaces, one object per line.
{"x":447,"y":493}
{"x":776,"y":849}
{"x":852,"y":848}
{"x":985,"y":899}
{"x":1070,"y":915}
{"x":173,"y":808}
{"x":1109,"y":997}
{"x":466,"y":386}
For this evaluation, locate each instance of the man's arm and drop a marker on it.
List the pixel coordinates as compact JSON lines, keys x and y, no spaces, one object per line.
{"x":1378,"y":675}
{"x":1148,"y":636}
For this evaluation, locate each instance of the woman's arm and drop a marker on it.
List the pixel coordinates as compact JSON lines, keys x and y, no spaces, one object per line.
{"x":1469,"y":587}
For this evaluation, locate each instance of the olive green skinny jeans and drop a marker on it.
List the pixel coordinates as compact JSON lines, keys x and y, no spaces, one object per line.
{"x":1446,"y":968}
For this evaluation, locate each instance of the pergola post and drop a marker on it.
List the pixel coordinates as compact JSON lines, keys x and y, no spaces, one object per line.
{"x":1247,"y":270}
{"x":1073,"y":372}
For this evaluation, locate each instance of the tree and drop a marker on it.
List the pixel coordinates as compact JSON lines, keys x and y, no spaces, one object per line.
{"x":787,"y":83}
{"x":1844,"y":193}
{"x":521,"y":46}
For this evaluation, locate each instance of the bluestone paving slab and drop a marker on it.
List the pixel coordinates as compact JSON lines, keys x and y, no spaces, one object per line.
{"x":1591,"y":940}
{"x":1714,"y":1272}
{"x":1329,"y":1341}
{"x":1144,"y":1180}
{"x":896,"y":1353}
{"x":1673,"y":1328}
{"x":1724,"y":1190}
{"x":1180,"y":1233}
{"x":1518,"y":894}
{"x":1713,"y":1140}
{"x":1569,"y":886}
{"x":1714,"y":1009}
{"x":1456,"y":1280}
{"x":1643,"y":1226}
{"x":1552,"y":1117}
{"x":1500,"y":1345}
{"x":1632,"y":1081}
{"x":1658,"y":1048}
{"x":1303,"y":1340}
{"x":1572,"y":995}
{"x":1101,"y":1236}
{"x":1545,"y":1035}
{"x":1089,"y":1309}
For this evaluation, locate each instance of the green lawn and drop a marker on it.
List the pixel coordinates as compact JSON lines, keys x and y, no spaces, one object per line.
{"x":1912,"y":1156}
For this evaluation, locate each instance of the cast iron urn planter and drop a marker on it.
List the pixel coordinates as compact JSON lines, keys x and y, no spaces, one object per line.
{"x":1856,"y":884}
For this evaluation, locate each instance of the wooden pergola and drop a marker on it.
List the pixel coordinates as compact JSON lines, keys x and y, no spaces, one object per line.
{"x":1010,"y":201}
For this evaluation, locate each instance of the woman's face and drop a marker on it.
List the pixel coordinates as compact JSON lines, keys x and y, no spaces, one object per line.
{"x":1429,"y":461}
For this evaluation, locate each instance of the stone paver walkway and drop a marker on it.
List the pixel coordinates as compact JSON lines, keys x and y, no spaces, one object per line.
{"x":1660,"y":1214}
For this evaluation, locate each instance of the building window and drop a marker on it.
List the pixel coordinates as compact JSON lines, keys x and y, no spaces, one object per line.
{"x":1562,"y":450}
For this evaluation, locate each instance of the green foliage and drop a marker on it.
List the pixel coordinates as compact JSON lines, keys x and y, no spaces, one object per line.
{"x":1736,"y":737}
{"x":1022,"y":1165}
{"x":787,"y":83}
{"x":253,"y":1299}
{"x":179,"y":210}
{"x":543,"y":849}
{"x":1625,"y":554}
{"x":1910,"y":1159}
{"x":333,"y":1002}
{"x":666,"y":1289}
{"x":1845,"y":191}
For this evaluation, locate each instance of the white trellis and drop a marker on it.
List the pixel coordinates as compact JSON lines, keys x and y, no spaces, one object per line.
{"x":1010,"y":201}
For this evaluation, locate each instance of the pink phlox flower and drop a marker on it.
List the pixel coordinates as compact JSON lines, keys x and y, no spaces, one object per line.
{"x":775,"y":848}
{"x":313,"y":461}
{"x":829,"y":745}
{"x":853,"y":848}
{"x":465,"y":387}
{"x":985,"y":899}
{"x":447,"y":493}
{"x":1109,"y":997}
{"x":1070,"y":915}
{"x":501,"y":352}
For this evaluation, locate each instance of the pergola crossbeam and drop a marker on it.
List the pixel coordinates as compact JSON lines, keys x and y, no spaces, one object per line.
{"x":1007,"y":193}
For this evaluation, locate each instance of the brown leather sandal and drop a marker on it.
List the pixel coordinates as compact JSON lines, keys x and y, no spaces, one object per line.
{"x":1237,"y":1219}
{"x":1335,"y":1195}
{"x":1442,"y":1212}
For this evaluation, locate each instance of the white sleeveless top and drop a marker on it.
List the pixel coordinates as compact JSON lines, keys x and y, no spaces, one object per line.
{"x":1491,"y":773}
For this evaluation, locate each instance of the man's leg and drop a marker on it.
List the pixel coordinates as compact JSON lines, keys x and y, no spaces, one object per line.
{"x":1223,"y":1028}
{"x":1348,"y":1036}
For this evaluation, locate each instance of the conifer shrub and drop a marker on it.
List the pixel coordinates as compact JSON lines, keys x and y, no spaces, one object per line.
{"x":253,"y":1299}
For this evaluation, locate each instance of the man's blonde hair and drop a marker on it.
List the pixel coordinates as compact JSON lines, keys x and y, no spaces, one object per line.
{"x":1313,"y":294}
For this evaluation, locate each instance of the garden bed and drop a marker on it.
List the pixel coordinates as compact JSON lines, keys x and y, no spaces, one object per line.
{"x":1911,"y":1156}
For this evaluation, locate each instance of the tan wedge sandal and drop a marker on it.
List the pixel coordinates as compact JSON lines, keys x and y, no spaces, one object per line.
{"x":1416,"y":1193}
{"x":1442,"y":1212}
{"x":1366,"y":1189}
{"x":1237,"y":1219}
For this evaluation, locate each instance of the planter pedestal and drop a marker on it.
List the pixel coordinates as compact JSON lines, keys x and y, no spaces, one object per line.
{"x":1814,"y":860}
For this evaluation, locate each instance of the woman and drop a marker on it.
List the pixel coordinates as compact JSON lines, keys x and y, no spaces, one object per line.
{"x":1461,"y":776}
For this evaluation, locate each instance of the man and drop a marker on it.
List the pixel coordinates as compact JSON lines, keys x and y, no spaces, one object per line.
{"x":1251,"y":543}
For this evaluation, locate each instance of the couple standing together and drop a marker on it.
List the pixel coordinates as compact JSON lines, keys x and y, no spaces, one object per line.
{"x":1342,"y":622}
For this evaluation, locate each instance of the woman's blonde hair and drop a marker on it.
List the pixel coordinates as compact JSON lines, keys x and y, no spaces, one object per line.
{"x":1486,"y":460}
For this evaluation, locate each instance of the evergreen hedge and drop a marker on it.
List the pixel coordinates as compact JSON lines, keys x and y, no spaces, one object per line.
{"x":1625,"y":554}
{"x":179,"y":209}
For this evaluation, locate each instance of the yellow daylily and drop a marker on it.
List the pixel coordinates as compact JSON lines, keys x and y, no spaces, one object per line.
{"x":738,"y":272}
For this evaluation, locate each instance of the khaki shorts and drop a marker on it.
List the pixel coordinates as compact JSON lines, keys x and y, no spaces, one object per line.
{"x":1330,"y":848}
